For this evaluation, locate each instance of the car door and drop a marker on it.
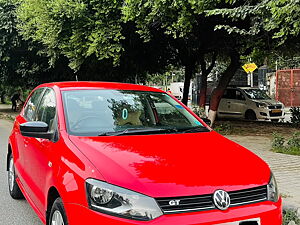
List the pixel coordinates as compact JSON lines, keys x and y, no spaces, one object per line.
{"x":237,"y":104}
{"x":225,"y":109}
{"x":39,"y":152}
{"x":21,"y":142}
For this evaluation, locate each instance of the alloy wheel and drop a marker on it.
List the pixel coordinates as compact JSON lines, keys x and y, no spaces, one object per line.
{"x":57,"y":218}
{"x":11,"y":175}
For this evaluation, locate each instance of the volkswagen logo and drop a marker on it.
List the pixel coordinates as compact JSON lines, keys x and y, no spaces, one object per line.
{"x":221,"y":199}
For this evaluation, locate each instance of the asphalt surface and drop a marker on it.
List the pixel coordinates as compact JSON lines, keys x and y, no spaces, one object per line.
{"x":12,"y":211}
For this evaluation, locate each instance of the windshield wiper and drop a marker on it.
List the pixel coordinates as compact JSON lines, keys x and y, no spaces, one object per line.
{"x":140,"y":131}
{"x":195,"y":130}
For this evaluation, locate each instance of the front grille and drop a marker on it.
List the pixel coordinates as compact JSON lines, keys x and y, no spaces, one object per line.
{"x":248,"y":196}
{"x":205,"y":202}
{"x":275,"y":106}
{"x":275,"y":114}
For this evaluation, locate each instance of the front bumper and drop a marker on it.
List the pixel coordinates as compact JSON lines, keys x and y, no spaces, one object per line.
{"x":268,"y":114}
{"x":267,"y":212}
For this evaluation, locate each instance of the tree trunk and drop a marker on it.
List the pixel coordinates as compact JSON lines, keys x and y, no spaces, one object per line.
{"x":203,"y":90}
{"x":204,"y":74}
{"x":222,"y":85}
{"x":189,"y":70}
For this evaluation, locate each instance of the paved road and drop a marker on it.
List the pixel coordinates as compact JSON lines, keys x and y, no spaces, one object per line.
{"x":12,"y":212}
{"x":285,"y":167}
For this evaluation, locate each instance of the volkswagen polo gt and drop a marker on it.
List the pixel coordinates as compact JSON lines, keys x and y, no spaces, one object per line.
{"x":111,"y":153}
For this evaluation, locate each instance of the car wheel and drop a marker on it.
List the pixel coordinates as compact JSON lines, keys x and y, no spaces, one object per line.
{"x":250,"y":115}
{"x":13,"y":187}
{"x":58,"y":214}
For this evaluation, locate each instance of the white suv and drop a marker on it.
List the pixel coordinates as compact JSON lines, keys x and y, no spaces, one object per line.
{"x":251,"y":104}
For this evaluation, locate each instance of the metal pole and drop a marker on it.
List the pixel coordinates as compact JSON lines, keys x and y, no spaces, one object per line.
{"x":248,"y":79}
{"x":252,"y":82}
{"x":166,"y":82}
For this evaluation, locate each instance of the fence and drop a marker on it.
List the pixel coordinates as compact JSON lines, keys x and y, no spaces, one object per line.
{"x":288,"y":87}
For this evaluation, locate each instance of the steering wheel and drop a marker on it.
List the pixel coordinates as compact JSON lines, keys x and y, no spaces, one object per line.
{"x":91,"y":119}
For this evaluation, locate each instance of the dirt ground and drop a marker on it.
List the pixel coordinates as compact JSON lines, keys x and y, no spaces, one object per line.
{"x":254,"y":128}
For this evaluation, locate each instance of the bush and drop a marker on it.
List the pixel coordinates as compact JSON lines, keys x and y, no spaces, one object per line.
{"x":199,"y":111}
{"x":294,"y":141}
{"x":295,"y":119}
{"x":290,"y":146}
{"x":278,"y":141}
{"x":224,"y":128}
{"x":11,"y":90}
{"x":290,"y":215}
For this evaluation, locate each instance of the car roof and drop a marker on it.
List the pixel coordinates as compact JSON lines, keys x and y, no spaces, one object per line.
{"x":86,"y":85}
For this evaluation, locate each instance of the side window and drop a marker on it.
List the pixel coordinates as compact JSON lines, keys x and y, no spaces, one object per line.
{"x":230,"y":94}
{"x":167,"y":114}
{"x":47,"y":109}
{"x":32,"y":104}
{"x":240,"y":96}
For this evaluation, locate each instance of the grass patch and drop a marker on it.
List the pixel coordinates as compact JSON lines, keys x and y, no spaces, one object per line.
{"x":285,"y":195}
{"x":288,"y":151}
{"x":290,"y":215}
{"x":253,"y":128}
{"x":290,"y":146}
{"x":224,"y":128}
{"x":7,"y":117}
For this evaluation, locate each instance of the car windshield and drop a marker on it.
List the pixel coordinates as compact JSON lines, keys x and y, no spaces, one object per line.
{"x":120,"y":112}
{"x":256,"y":94}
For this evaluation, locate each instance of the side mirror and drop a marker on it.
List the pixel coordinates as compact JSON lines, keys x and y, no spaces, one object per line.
{"x":207,"y":121}
{"x":36,"y":129}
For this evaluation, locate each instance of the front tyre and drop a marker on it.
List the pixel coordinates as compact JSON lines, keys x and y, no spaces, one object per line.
{"x":13,"y":187}
{"x":250,"y":115}
{"x":58,"y":214}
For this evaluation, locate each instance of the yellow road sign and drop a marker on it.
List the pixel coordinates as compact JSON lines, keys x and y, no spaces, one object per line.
{"x":250,"y":67}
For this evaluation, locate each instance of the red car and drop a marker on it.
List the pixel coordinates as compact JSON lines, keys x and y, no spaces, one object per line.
{"x":111,"y":153}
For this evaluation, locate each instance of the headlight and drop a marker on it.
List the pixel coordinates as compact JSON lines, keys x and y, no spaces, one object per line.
{"x":272,"y":189}
{"x":261,"y":105}
{"x":121,"y":202}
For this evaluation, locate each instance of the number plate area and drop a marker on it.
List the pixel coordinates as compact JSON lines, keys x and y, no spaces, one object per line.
{"x":255,"y":221}
{"x":276,"y":111}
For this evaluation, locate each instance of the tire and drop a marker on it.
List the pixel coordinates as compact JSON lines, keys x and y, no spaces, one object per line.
{"x":58,"y":214}
{"x":250,"y":115}
{"x":13,"y":187}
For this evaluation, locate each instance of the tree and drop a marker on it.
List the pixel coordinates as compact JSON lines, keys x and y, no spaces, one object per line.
{"x":272,"y":28}
{"x":176,"y":20}
{"x":205,"y":71}
{"x":21,"y":62}
{"x":94,"y":38}
{"x":283,"y":19}
{"x":200,"y":29}
{"x":99,"y":37}
{"x":75,"y":29}
{"x":14,"y":58}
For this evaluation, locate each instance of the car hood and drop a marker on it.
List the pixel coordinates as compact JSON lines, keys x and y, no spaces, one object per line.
{"x":268,"y":101}
{"x":174,"y":164}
